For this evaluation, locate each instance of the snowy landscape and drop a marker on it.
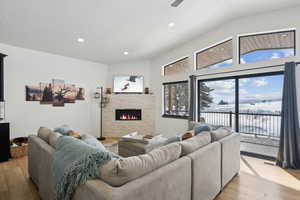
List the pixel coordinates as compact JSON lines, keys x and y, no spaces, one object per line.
{"x":259,"y":104}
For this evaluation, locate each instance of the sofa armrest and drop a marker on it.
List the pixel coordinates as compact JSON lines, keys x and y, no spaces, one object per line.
{"x":206,"y":170}
{"x":33,"y":158}
{"x":172,"y":181}
{"x":40,"y":157}
{"x":230,"y":146}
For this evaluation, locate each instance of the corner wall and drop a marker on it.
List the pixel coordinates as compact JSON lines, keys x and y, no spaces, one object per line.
{"x":27,"y":67}
{"x":271,"y":21}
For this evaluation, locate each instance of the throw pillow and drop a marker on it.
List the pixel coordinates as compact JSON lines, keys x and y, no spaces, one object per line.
{"x":64,"y":130}
{"x":172,"y":139}
{"x":196,"y":142}
{"x":188,"y":135}
{"x":220,"y":133}
{"x":74,"y":134}
{"x":201,"y":127}
{"x":90,"y":140}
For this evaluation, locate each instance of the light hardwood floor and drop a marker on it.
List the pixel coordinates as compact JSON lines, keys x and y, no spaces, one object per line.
{"x":258,"y":180}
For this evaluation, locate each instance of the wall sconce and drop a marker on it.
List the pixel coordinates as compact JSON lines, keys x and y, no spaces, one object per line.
{"x":97,"y":94}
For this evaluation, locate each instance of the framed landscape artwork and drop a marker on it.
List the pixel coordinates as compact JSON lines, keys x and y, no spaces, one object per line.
{"x":56,"y":93}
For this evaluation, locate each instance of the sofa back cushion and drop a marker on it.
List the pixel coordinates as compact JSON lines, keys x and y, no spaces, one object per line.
{"x":53,"y":137}
{"x":220,"y":133}
{"x":119,"y":171}
{"x":44,"y":133}
{"x":194,"y":143}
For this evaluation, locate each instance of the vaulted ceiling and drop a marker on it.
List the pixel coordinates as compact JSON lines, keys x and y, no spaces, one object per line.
{"x":111,"y":27}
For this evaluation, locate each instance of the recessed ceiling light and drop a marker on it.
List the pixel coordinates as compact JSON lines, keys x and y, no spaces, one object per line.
{"x":284,"y":35}
{"x":80,"y":40}
{"x":125,"y":53}
{"x":172,"y":24}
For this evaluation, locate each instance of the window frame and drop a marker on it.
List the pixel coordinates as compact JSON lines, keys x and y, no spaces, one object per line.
{"x":237,"y":95}
{"x":239,"y":36}
{"x":171,"y":63}
{"x":163,"y":98}
{"x":212,"y":46}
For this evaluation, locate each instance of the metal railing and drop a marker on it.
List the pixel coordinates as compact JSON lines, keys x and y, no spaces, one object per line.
{"x":257,"y":124}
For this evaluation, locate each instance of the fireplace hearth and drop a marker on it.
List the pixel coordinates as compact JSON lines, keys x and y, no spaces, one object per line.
{"x":128,"y":114}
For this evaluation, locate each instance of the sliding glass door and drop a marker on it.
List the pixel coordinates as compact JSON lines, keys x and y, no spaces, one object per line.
{"x":217,"y":102}
{"x":260,"y":101}
{"x":249,"y":104}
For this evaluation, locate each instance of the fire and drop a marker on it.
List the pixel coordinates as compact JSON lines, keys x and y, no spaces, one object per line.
{"x":128,"y":117}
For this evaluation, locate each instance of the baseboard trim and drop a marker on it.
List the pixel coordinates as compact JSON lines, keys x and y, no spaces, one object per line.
{"x":260,"y":156}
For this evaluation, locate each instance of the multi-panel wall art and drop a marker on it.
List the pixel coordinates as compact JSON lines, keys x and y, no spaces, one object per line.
{"x":56,"y":93}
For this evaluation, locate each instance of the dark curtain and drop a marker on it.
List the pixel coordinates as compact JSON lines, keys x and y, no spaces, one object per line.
{"x":289,"y":149}
{"x":192,"y":98}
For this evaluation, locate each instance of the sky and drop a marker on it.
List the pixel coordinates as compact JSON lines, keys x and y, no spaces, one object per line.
{"x":254,"y":89}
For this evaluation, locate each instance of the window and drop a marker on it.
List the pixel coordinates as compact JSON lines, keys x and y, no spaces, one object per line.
{"x":246,"y":103}
{"x":267,"y":46}
{"x":176,"y":99}
{"x":178,"y":66}
{"x":217,"y":56}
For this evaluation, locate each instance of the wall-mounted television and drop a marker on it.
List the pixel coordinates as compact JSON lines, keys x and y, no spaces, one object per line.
{"x":128,"y":84}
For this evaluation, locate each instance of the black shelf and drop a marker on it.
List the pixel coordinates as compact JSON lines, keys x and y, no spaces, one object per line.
{"x":4,"y":142}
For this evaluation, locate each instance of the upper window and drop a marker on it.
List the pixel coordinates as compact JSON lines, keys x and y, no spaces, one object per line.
{"x":217,"y":56}
{"x":176,"y":99}
{"x":266,"y":46}
{"x":178,"y":66}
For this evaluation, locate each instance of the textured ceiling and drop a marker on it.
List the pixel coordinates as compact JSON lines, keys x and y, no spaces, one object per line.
{"x":111,"y":27}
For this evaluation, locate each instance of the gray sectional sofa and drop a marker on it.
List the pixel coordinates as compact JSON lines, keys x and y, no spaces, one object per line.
{"x":194,"y":169}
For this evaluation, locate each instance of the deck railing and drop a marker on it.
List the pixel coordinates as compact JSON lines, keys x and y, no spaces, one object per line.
{"x":257,"y":124}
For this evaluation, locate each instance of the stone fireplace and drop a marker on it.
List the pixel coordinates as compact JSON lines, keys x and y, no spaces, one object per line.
{"x":128,"y":114}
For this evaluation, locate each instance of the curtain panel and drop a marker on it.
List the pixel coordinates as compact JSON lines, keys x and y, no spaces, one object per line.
{"x":289,"y":148}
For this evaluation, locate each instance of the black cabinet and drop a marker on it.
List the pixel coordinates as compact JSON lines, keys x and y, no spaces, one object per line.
{"x":4,"y":142}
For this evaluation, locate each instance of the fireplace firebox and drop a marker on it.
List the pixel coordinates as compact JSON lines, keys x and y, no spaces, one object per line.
{"x":128,"y":114}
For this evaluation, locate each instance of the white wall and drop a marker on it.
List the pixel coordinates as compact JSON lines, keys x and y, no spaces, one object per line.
{"x":27,"y":67}
{"x":141,"y":67}
{"x":275,"y":20}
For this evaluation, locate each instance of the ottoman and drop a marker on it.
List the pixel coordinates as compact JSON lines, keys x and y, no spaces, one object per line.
{"x":130,"y":148}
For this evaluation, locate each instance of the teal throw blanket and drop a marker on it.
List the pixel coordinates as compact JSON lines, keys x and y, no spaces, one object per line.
{"x":74,"y":163}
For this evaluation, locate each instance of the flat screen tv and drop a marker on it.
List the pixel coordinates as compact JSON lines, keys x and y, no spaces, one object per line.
{"x":128,"y":84}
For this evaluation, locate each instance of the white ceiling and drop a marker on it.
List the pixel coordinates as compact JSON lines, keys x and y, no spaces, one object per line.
{"x":111,"y":27}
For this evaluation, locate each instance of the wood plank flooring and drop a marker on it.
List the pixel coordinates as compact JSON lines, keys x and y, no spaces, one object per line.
{"x":258,"y":180}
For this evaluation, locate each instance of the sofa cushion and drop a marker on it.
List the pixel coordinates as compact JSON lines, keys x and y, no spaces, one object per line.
{"x":194,"y":143}
{"x":44,"y":133}
{"x":220,"y":133}
{"x":122,"y":170}
{"x":53,"y":137}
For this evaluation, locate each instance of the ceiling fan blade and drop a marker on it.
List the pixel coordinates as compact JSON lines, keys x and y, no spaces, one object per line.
{"x":176,"y":3}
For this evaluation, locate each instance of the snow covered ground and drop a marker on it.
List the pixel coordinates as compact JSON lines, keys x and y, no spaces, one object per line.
{"x":262,"y":118}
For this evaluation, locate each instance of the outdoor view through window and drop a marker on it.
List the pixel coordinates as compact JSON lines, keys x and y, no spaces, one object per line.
{"x":259,"y":103}
{"x":176,"y":99}
{"x":267,"y":46}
